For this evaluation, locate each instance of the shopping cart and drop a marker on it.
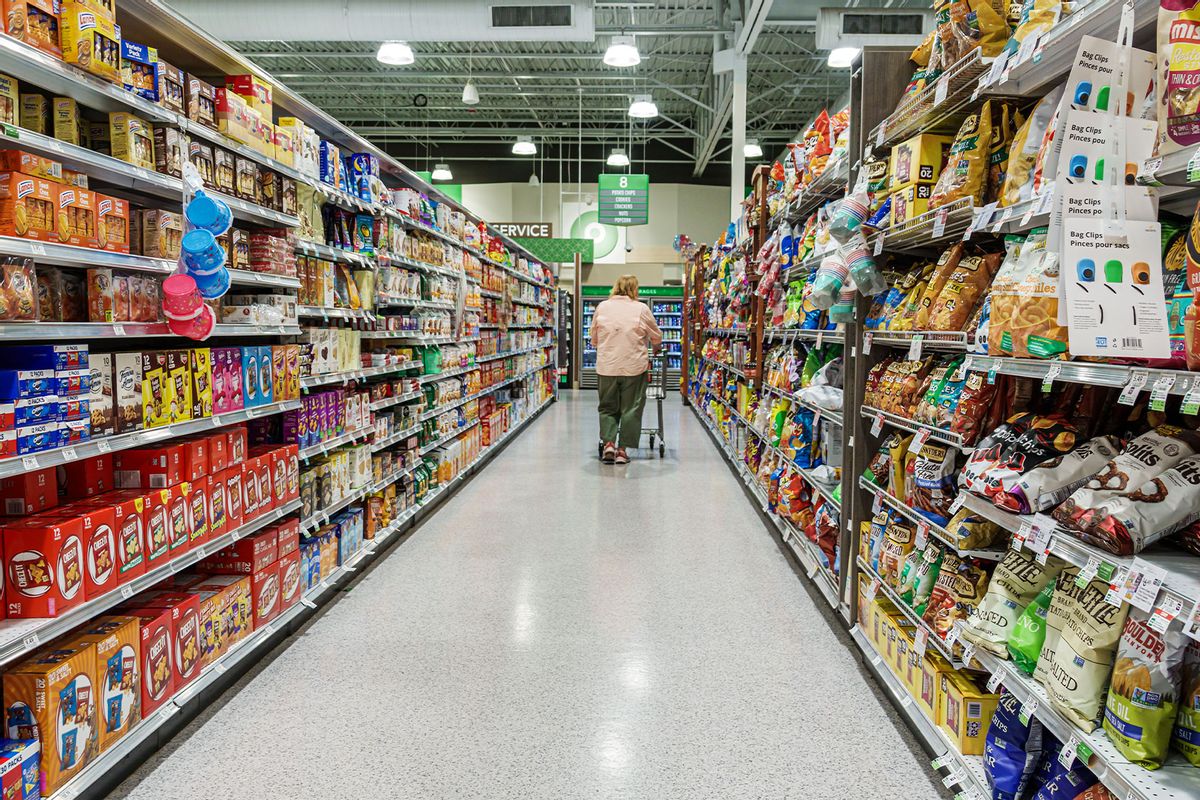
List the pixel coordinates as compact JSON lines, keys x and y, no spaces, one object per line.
{"x":656,"y":390}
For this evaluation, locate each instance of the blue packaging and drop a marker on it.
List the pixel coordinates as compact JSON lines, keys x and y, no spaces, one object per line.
{"x":17,"y":384}
{"x":74,"y":432}
{"x":72,"y":382}
{"x":250,"y":377}
{"x":22,"y":754}
{"x":330,"y":163}
{"x":139,"y":69}
{"x":1012,"y":751}
{"x":71,"y":409}
{"x":36,"y":411}
{"x":45,"y":356}
{"x":266,"y":373}
{"x":36,"y":438}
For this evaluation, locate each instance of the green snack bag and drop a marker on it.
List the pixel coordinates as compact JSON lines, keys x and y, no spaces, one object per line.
{"x":920,"y":572}
{"x":1025,"y":643}
{"x":928,"y":579}
{"x":1186,"y":736}
{"x":812,"y":363}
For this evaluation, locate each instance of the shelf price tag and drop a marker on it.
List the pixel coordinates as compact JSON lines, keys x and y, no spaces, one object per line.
{"x":869,"y":337}
{"x":877,"y":504}
{"x":1052,"y":373}
{"x":1143,"y":583}
{"x":968,"y":652}
{"x":939,"y":92}
{"x":941,"y":761}
{"x":1028,"y":709}
{"x":872,"y":590}
{"x":952,"y":637}
{"x":922,"y":538}
{"x":1027,"y":48}
{"x":939,"y":222}
{"x":994,"y":74}
{"x":915,"y":346}
{"x":31,"y":641}
{"x":878,"y":243}
{"x":1191,"y":400}
{"x":1158,"y":394}
{"x":1165,"y":613}
{"x":877,"y":425}
{"x":1193,"y":167}
{"x":1021,"y":537}
{"x":918,"y":441}
{"x":959,"y":501}
{"x":881,"y":134}
{"x":1005,"y":217}
{"x":1137,"y":382}
{"x":30,"y":462}
{"x":953,"y":778}
{"x":1115,"y":595}
{"x":994,"y":682}
{"x":920,"y":640}
{"x":991,"y":376}
{"x":1088,"y":571}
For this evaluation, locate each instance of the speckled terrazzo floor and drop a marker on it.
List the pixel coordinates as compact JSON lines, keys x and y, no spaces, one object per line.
{"x":562,"y":629}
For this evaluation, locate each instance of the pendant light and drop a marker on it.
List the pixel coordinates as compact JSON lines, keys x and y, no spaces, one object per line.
{"x":441,"y":172}
{"x":395,"y":54}
{"x":618,"y":158}
{"x":470,"y":94}
{"x":524,"y":146}
{"x":751,"y":149}
{"x":643,"y":107}
{"x":842,"y":57}
{"x":622,"y":52}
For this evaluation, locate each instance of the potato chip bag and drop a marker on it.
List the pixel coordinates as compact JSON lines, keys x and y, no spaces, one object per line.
{"x":1024,"y":320}
{"x":965,"y":173}
{"x":897,"y":450}
{"x":1013,"y":749}
{"x":962,"y":290}
{"x":917,"y":579}
{"x":1023,"y":152}
{"x":898,"y":541}
{"x":1056,"y":618}
{"x":1004,"y":125}
{"x":973,"y":532}
{"x":1052,"y":481}
{"x":929,"y":482}
{"x":946,"y":264}
{"x":1178,"y":90}
{"x":1029,"y":634}
{"x":879,"y":467}
{"x":1145,"y":691}
{"x":957,"y":593}
{"x":1015,"y":583}
{"x":1186,"y":735}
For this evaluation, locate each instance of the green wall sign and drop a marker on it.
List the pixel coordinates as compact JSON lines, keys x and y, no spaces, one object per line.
{"x":558,"y":251}
{"x":625,"y":199}
{"x":643,"y":291}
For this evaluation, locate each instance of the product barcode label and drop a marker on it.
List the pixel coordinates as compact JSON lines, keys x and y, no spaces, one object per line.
{"x":1088,"y":571}
{"x":952,"y":637}
{"x":1021,"y":537}
{"x":877,"y":504}
{"x":1005,"y":217}
{"x":1165,"y":613}
{"x":941,"y":761}
{"x":920,"y":640}
{"x":1191,"y":400}
{"x":1028,"y":709}
{"x":127,"y":591}
{"x":959,"y":502}
{"x":1158,"y":394}
{"x":31,"y":641}
{"x":939,"y":96}
{"x":103,"y":446}
{"x":878,"y":244}
{"x":994,"y":682}
{"x":968,"y":652}
{"x":1066,"y":756}
{"x":68,"y":454}
{"x":29,"y":462}
{"x":1143,"y":583}
{"x":1130,"y":393}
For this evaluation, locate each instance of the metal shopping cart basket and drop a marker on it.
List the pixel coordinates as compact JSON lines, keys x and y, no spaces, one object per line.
{"x":656,"y":390}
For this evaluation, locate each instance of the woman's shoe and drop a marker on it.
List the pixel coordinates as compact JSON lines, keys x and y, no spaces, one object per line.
{"x":622,"y":457}
{"x":610,"y":453}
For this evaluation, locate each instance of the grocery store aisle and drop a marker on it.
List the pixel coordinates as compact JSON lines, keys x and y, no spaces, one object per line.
{"x":562,"y":629}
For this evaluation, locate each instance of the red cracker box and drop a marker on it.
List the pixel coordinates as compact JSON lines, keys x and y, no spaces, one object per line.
{"x":150,"y":467}
{"x":129,"y":522}
{"x":158,"y":527}
{"x":235,"y":497}
{"x":246,"y":556}
{"x":265,"y":589}
{"x":195,"y":458}
{"x":235,"y":444}
{"x":179,"y":527}
{"x":287,"y":536}
{"x":217,"y":511}
{"x":102,"y":573}
{"x":90,"y":477}
{"x":290,"y":585}
{"x":184,"y":607}
{"x":250,"y":489}
{"x":29,"y":492}
{"x":217,"y":452}
{"x":44,"y":565}
{"x":158,"y":672}
{"x":199,"y":510}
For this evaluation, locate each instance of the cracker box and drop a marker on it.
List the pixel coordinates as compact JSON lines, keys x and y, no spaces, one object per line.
{"x":154,"y":467}
{"x":73,"y":177}
{"x":157,"y":390}
{"x":172,"y":87}
{"x":128,"y":378}
{"x":35,"y":113}
{"x":28,"y":207}
{"x":131,"y":139}
{"x":10,"y":100}
{"x":29,"y":492}
{"x":254,"y":90}
{"x":201,"y":102}
{"x":184,"y":608}
{"x":129,"y":522}
{"x":30,"y":164}
{"x":55,"y":693}
{"x":218,"y":458}
{"x":246,"y":556}
{"x":112,"y":217}
{"x":68,"y":124}
{"x":235,"y":444}
{"x":180,"y":370}
{"x":90,"y":41}
{"x":34,"y":22}
{"x":161,"y":233}
{"x":100,"y":549}
{"x":116,"y":643}
{"x":88,"y":477}
{"x":101,"y":407}
{"x":157,"y":659}
{"x":158,"y":527}
{"x":226,"y":614}
{"x":195,"y":457}
{"x":44,"y":565}
{"x":918,"y":160}
{"x":965,"y":713}
{"x":170,"y":146}
{"x":202,"y":382}
{"x":251,"y":488}
{"x":139,"y":69}
{"x":910,"y":201}
{"x":225,"y":171}
{"x":218,"y":517}
{"x":198,"y":504}
{"x":235,"y":498}
{"x":77,"y":222}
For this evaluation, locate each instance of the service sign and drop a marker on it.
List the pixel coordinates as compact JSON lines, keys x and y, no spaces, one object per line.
{"x":624,"y":199}
{"x":525,"y":230}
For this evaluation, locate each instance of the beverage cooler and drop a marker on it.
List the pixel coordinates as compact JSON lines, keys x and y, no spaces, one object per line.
{"x":665,"y":302}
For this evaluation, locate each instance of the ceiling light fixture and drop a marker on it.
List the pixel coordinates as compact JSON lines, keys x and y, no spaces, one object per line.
{"x":751,"y":149}
{"x":617,"y":158}
{"x":534,"y":180}
{"x":470,"y":94}
{"x":643,"y":107}
{"x":524,"y":146}
{"x":396,"y":54}
{"x":622,"y":52}
{"x":842,"y":57}
{"x":441,"y":172}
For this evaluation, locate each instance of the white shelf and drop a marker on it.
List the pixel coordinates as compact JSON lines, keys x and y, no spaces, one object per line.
{"x":834,"y":416}
{"x":395,"y":438}
{"x":953,"y":341}
{"x":58,"y":331}
{"x":912,"y":426}
{"x":347,"y":376}
{"x":444,"y":439}
{"x":330,"y":253}
{"x":392,"y":401}
{"x":326,"y":312}
{"x":349,"y":437}
{"x":934,"y":640}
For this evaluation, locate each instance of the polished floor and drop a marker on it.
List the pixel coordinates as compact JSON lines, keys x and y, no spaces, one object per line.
{"x":562,"y":629}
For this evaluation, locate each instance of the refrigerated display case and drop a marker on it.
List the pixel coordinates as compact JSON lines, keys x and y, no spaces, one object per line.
{"x":665,"y":302}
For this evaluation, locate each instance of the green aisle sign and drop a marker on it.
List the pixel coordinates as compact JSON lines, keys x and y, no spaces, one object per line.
{"x":624,"y":199}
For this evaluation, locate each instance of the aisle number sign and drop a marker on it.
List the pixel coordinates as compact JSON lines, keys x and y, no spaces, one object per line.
{"x":624,"y":199}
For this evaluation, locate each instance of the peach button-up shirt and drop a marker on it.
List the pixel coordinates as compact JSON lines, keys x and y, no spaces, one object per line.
{"x":621,"y":330}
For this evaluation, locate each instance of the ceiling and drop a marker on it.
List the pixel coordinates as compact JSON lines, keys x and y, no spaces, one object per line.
{"x":563,"y":95}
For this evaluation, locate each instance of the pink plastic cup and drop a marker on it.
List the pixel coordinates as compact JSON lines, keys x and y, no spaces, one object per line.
{"x":197,"y":327}
{"x":180,"y":297}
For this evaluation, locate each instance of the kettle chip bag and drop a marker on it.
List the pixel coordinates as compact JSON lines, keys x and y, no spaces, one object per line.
{"x":1029,"y":635}
{"x":1012,"y":751}
{"x":973,"y":532}
{"x":1186,"y":734}
{"x":1015,"y":583}
{"x":956,"y":595}
{"x":965,"y":173}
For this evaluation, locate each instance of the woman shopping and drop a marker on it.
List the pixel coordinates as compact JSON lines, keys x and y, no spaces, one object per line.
{"x":622,"y":329}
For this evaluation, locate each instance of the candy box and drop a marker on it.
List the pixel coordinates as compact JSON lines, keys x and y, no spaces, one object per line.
{"x":170,"y":145}
{"x":226,"y":614}
{"x":171,"y":87}
{"x":90,"y":41}
{"x":20,"y":769}
{"x":54,"y":693}
{"x":34,"y":22}
{"x":28,"y":206}
{"x":201,"y":102}
{"x":202,"y":382}
{"x":127,"y":381}
{"x":157,"y":390}
{"x":131,"y":139}
{"x":112,"y":220}
{"x":116,"y":643}
{"x":88,"y":477}
{"x":157,"y":659}
{"x":30,"y":164}
{"x":180,"y":370}
{"x":139,"y":69}
{"x":29,"y":492}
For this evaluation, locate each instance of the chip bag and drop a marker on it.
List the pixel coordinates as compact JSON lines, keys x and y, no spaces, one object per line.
{"x":1016,"y":582}
{"x":965,"y":173}
{"x":1029,"y":634}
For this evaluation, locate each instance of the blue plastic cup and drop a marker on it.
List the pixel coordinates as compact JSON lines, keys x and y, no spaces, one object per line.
{"x":208,"y":213}
{"x":211,"y":283}
{"x":201,"y":251}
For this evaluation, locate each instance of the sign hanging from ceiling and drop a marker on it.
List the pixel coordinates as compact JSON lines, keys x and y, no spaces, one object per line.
{"x":526,"y":230}
{"x":625,"y":199}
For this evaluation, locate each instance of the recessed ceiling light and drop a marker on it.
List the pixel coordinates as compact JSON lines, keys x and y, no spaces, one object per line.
{"x":622,"y":52}
{"x":441,"y":172}
{"x":643,"y":107}
{"x":524,"y":146}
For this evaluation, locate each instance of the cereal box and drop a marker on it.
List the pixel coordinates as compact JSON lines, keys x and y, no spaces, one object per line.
{"x":34,"y":22}
{"x":54,"y":694}
{"x":44,"y":565}
{"x":116,"y":643}
{"x":112,"y":220}
{"x":28,"y":206}
{"x":90,"y":41}
{"x":128,"y":393}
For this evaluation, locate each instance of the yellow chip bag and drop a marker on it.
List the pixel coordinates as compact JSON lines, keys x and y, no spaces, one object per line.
{"x":966,"y":166}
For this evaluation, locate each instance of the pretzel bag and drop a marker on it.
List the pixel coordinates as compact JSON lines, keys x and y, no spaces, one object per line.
{"x":1052,"y":481}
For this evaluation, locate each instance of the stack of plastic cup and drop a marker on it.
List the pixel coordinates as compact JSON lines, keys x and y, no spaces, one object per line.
{"x":186,"y":312}
{"x":850,"y":216}
{"x":204,"y":258}
{"x":862,"y":267}
{"x":827,"y":284}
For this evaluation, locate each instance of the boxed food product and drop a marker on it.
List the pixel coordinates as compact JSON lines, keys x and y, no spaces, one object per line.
{"x":234,"y":117}
{"x":225,"y":171}
{"x":131,"y":139}
{"x":965,"y":712}
{"x":112,"y":220}
{"x":35,"y":113}
{"x":28,"y":206}
{"x":158,"y":527}
{"x":68,"y":124}
{"x":285,"y":146}
{"x":73,"y":178}
{"x":44,"y":565}
{"x":157,"y":390}
{"x":90,"y":41}
{"x":55,"y":693}
{"x":909,"y":202}
{"x":29,"y":492}
{"x":10,"y":101}
{"x":246,"y":556}
{"x":289,"y":579}
{"x":235,"y":497}
{"x":152,"y":467}
{"x":116,"y":645}
{"x":87,"y":477}
{"x":127,"y":381}
{"x":199,"y":503}
{"x":246,"y":179}
{"x":202,"y":382}
{"x":226,"y":600}
{"x":171,"y":87}
{"x":179,"y":524}
{"x":169,"y":146}
{"x":201,"y":102}
{"x":139,"y":69}
{"x":99,"y":546}
{"x":30,"y":164}
{"x":184,"y":610}
{"x":77,"y":223}
{"x":34,"y":22}
{"x":918,"y":160}
{"x":101,"y":407}
{"x":180,"y":370}
{"x":201,"y":156}
{"x":155,"y":638}
{"x":266,"y":593}
{"x":161,"y":233}
{"x":254,"y":90}
{"x":129,"y":521}
{"x":330,"y":163}
{"x":20,"y":768}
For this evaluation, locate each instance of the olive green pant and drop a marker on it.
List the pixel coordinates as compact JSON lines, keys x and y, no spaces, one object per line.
{"x":622,"y":400}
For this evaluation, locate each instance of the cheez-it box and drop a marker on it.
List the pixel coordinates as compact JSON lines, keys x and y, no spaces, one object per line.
{"x":235,"y":498}
{"x":195,"y":458}
{"x":198,"y":504}
{"x":158,"y":527}
{"x":158,"y":674}
{"x":88,"y":477}
{"x":179,"y":530}
{"x":150,"y":467}
{"x":29,"y":492}
{"x":129,"y":522}
{"x":100,"y":551}
{"x":184,"y":607}
{"x":246,"y":556}
{"x":43,"y":565}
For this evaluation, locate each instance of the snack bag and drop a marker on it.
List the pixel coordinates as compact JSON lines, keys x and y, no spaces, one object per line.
{"x":1144,"y":695}
{"x":970,"y":412}
{"x":879,"y":467}
{"x":965,"y":174}
{"x":899,"y":538}
{"x":1012,"y":751}
{"x":1023,"y":152}
{"x":961,"y":292}
{"x":1052,"y":481}
{"x":1003,"y":129}
{"x":946,"y":264}
{"x":988,"y":451}
{"x":1055,"y":620}
{"x":972,"y":532}
{"x":1178,"y":53}
{"x":1016,"y":582}
{"x":956,"y":595}
{"x":1046,"y":438}
{"x":1029,"y":635}
{"x":1186,"y":734}
{"x":930,"y":482}
{"x":1024,"y":321}
{"x":920,"y":572}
